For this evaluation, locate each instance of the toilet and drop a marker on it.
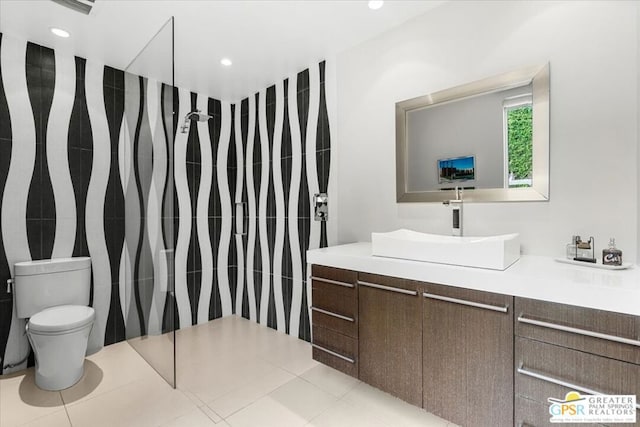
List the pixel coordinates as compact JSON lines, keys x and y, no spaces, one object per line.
{"x":54,"y":295}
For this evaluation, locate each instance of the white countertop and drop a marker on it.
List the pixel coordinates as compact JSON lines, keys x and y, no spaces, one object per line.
{"x":534,"y":277}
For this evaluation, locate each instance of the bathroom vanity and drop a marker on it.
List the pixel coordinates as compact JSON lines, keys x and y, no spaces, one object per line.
{"x":476,"y":347}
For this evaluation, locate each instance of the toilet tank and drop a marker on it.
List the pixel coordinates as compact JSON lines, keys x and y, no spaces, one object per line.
{"x":51,"y":282}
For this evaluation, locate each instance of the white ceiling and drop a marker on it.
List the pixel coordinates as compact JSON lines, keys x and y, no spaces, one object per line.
{"x":266,"y":40}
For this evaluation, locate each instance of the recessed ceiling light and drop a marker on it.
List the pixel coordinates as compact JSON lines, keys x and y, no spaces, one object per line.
{"x":60,"y":32}
{"x":226,"y":62}
{"x":375,"y":4}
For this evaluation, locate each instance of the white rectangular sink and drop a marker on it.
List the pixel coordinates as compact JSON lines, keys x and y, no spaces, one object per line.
{"x":493,"y":252}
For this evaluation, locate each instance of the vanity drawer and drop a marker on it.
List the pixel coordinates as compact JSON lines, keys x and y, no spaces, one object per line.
{"x":335,"y":350}
{"x":336,"y":322}
{"x":334,"y":293}
{"x":334,"y":274}
{"x":545,"y":370}
{"x":593,"y":331}
{"x":334,"y":299}
{"x":530,"y":413}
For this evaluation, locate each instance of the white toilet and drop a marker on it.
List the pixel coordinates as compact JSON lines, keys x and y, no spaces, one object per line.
{"x":54,"y":296}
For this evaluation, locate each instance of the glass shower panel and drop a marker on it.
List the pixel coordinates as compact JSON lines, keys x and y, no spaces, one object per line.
{"x":149,"y":203}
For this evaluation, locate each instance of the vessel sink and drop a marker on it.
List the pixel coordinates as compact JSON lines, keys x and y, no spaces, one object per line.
{"x":492,"y":252}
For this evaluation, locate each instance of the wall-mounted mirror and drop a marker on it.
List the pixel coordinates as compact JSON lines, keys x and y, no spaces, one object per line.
{"x":489,"y":137}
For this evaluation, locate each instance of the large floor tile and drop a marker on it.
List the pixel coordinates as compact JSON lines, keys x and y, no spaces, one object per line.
{"x":21,"y":401}
{"x":290,"y":354}
{"x":211,"y":380}
{"x":112,"y":367}
{"x":293,"y":404}
{"x":390,"y":410}
{"x":343,"y":414}
{"x":244,"y":396}
{"x":195,"y":418}
{"x":57,"y":419}
{"x":211,"y":414}
{"x":330,"y":380}
{"x":266,"y":412}
{"x":303,"y":398}
{"x":146,"y":402}
{"x":223,"y":338}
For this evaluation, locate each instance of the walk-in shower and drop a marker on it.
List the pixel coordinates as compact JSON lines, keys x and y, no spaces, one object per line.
{"x":194,"y":115}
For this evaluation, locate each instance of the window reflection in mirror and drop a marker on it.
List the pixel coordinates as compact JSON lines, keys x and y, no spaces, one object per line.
{"x":518,"y":139}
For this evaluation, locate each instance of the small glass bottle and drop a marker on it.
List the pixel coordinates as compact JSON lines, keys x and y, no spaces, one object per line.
{"x":612,"y":255}
{"x":571,"y":247}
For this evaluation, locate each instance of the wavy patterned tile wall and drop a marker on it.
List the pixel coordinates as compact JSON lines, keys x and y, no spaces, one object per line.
{"x":79,"y":141}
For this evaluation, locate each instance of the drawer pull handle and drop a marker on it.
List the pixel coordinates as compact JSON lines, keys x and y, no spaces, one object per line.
{"x":533,"y":374}
{"x":329,"y":313}
{"x":388,"y":288}
{"x":465,"y":302}
{"x":333,"y":282}
{"x":578,"y":331}
{"x":333,"y":353}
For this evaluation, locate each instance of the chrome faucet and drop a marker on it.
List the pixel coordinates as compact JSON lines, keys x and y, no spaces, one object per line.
{"x":456,"y":212}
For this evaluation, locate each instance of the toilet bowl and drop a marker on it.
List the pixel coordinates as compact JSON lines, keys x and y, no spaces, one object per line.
{"x":54,"y":296}
{"x":59,"y":337}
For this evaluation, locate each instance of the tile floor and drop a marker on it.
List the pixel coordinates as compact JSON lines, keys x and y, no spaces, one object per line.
{"x":231,"y":372}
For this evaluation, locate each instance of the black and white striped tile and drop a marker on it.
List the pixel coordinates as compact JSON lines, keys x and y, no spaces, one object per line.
{"x":22,"y":137}
{"x":287,"y":160}
{"x":232,"y":197}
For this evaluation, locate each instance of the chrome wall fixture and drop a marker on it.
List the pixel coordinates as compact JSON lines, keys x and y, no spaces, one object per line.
{"x":194,"y":115}
{"x":321,"y":206}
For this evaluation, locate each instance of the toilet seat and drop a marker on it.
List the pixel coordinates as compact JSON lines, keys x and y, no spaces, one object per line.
{"x":62,"y":319}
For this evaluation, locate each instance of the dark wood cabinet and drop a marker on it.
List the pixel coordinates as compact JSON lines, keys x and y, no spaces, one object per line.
{"x":390,"y":336}
{"x":468,"y":355}
{"x":334,"y":318}
{"x":561,"y":348}
{"x":473,"y":358}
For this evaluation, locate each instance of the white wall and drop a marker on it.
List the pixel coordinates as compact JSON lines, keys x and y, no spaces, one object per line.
{"x":592,"y":48}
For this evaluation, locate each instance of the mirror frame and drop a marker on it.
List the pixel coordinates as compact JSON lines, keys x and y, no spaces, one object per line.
{"x":538,"y":76}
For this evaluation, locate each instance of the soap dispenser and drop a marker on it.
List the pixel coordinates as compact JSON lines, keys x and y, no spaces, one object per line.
{"x":612,"y":255}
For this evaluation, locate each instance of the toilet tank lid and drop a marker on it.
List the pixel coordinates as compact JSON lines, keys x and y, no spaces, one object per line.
{"x":47,"y":266}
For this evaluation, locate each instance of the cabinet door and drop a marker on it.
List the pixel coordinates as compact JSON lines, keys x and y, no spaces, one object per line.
{"x":468,"y":356}
{"x":545,"y":370}
{"x":390,"y":336}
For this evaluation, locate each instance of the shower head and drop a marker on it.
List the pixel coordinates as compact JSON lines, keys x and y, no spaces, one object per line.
{"x":194,"y":115}
{"x":198,"y":116}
